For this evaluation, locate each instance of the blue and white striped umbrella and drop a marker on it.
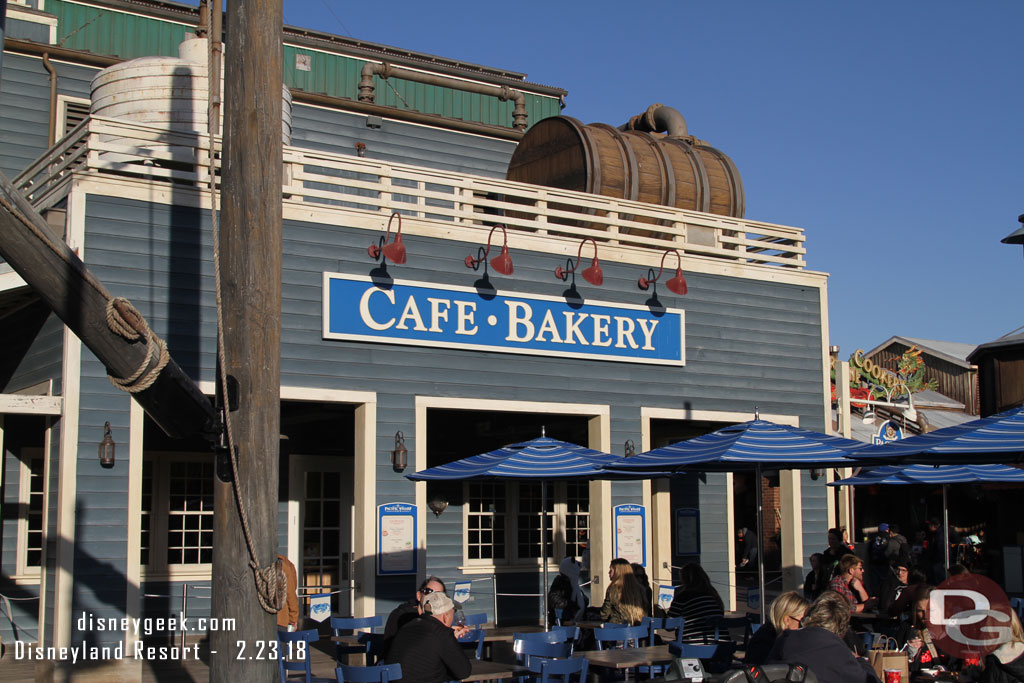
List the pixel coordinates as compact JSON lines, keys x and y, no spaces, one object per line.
{"x":757,"y":445}
{"x":995,"y":439}
{"x":747,"y":446}
{"x":540,"y":458}
{"x":931,"y":474}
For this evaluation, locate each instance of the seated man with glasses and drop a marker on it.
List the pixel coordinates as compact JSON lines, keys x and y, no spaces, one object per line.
{"x":409,"y":610}
{"x":426,"y":647}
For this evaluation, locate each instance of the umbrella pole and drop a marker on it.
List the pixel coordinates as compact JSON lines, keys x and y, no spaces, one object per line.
{"x":543,"y":548}
{"x":760,"y":543}
{"x":945,"y":523}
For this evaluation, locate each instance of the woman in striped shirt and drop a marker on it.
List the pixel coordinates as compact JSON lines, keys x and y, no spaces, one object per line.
{"x":698,"y":603}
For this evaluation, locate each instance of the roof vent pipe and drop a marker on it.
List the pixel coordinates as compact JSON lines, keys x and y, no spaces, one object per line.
{"x":503,"y":93}
{"x":658,"y":119}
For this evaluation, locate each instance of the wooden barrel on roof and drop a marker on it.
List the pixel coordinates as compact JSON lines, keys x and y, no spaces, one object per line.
{"x":678,"y":171}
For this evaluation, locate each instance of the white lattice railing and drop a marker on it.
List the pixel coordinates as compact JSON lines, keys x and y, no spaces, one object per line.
{"x":359,"y":184}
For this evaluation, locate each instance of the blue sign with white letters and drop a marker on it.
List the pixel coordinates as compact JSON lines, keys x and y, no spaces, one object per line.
{"x":425,"y":314}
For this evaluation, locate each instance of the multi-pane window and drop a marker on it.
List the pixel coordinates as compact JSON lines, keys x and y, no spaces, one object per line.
{"x":190,"y":513}
{"x":176,"y":529}
{"x":529,"y":520}
{"x":577,"y":517}
{"x":496,"y":511}
{"x":34,"y":528}
{"x":485,"y":529}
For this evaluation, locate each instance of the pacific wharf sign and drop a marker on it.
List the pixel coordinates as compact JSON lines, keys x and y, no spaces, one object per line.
{"x":446,"y":316}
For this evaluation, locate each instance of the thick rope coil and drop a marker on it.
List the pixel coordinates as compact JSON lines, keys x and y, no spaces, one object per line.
{"x":269,"y":589}
{"x":124,"y":320}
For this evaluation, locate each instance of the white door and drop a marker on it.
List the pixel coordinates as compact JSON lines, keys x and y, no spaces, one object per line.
{"x":320,"y":533}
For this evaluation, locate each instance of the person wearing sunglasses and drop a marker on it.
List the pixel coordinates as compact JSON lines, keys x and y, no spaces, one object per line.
{"x":784,"y":614}
{"x":409,"y":610}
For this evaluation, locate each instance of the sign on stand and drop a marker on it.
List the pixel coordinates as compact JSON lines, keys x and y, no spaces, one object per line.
{"x":631,"y":533}
{"x":396,"y":538}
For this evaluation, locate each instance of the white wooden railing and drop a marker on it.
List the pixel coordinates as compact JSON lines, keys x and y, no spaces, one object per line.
{"x":351,"y":183}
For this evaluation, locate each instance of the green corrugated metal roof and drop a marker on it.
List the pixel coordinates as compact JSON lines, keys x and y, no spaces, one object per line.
{"x":108,"y":31}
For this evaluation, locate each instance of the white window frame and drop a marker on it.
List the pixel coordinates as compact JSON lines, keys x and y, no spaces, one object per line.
{"x":158,"y":567}
{"x":511,"y":521}
{"x":60,"y":129}
{"x":26,"y":455}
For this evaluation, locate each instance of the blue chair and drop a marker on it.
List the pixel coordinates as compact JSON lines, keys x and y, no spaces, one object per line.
{"x":477,"y":619}
{"x":475,"y":635}
{"x":559,"y":614}
{"x":560,"y":670}
{"x":1018,"y":605}
{"x":618,"y":635}
{"x":293,"y":651}
{"x":677,"y":624}
{"x":653,"y":624}
{"x":381,"y":673}
{"x":366,"y":645}
{"x":544,"y":644}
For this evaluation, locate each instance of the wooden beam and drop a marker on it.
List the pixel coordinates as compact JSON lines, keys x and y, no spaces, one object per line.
{"x":19,"y":404}
{"x":50,"y":267}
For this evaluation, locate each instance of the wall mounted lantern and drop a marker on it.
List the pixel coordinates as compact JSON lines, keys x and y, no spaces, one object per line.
{"x":391,"y":251}
{"x":438,"y":502}
{"x":107,"y":447}
{"x":677,"y":284}
{"x":1017,"y":236}
{"x":501,"y":263}
{"x":630,"y":449}
{"x":594,"y":275}
{"x":399,"y":456}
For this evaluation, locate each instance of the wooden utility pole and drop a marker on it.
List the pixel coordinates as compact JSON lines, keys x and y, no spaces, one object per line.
{"x":250,"y":272}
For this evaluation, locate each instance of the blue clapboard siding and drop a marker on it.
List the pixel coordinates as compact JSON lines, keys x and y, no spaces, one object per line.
{"x":25,"y":106}
{"x":748,"y":342}
{"x":336,"y":131}
{"x":101,"y":505}
{"x":27,"y":30}
{"x":814,"y":495}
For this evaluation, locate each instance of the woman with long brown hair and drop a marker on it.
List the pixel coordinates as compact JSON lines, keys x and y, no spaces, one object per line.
{"x":624,"y":599}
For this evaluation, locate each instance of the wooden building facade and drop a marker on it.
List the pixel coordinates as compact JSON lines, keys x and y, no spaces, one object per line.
{"x":132,"y":539}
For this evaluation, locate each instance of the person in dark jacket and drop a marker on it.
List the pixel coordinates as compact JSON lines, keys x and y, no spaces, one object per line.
{"x":785,"y":614}
{"x":697,"y":601}
{"x":409,"y":610}
{"x":427,"y":647}
{"x":640,"y":574}
{"x":565,"y":593}
{"x":819,"y":644}
{"x":892,"y":588}
{"x":1006,"y":663}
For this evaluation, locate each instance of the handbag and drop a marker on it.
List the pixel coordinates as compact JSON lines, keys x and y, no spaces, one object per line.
{"x":884,"y":655}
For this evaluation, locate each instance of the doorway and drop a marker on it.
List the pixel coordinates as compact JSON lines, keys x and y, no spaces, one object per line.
{"x":322,"y":487}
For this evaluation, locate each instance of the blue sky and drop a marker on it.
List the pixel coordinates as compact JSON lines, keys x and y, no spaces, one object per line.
{"x":891,"y":132}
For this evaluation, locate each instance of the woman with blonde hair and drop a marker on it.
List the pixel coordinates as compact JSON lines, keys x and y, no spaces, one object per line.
{"x":624,"y":599}
{"x":1006,"y":663}
{"x":785,"y":614}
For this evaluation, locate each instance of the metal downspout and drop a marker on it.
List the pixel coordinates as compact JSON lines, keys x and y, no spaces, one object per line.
{"x":385,"y":71}
{"x":52,"y":131}
{"x":658,"y":118}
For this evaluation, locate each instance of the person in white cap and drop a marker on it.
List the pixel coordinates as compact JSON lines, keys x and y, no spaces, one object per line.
{"x":427,"y":646}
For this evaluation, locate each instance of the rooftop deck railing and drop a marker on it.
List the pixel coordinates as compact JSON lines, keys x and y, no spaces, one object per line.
{"x":352,"y":183}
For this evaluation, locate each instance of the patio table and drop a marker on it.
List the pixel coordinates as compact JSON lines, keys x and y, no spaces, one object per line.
{"x":484,"y":670}
{"x":629,"y":657}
